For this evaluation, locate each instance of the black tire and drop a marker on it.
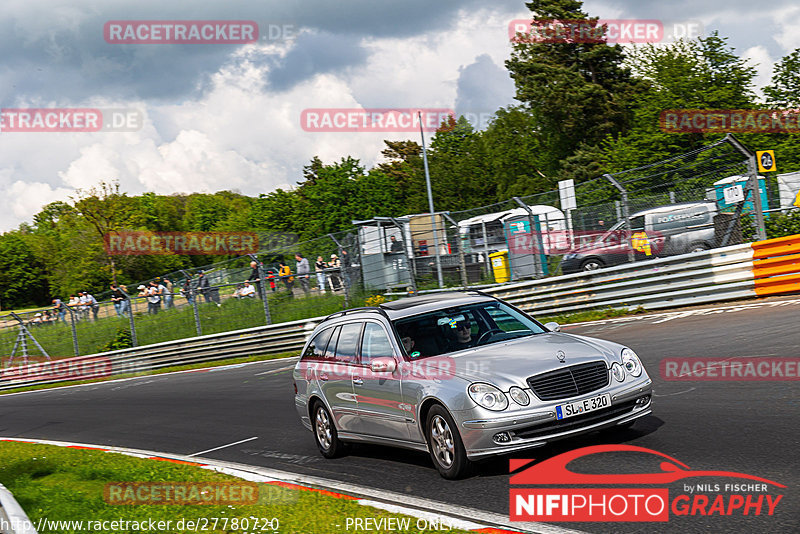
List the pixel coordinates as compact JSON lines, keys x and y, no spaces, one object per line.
{"x":698,"y":247}
{"x":324,"y":429}
{"x":445,"y":445}
{"x":592,"y":264}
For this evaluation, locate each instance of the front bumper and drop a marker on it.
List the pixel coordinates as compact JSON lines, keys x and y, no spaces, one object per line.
{"x":538,"y":425}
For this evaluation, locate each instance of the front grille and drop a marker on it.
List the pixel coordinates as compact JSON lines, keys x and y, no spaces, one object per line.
{"x":576,"y":422}
{"x":570,"y":381}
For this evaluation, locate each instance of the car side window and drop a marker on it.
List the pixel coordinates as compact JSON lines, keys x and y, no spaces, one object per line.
{"x":349,"y":338}
{"x":316,"y":349}
{"x":375,"y":344}
{"x":331,"y":350}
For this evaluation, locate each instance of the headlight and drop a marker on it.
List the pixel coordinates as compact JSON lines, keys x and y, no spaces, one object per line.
{"x":618,"y":371}
{"x":631,"y":362}
{"x":570,"y":256}
{"x":488,"y":396}
{"x":519,"y":396}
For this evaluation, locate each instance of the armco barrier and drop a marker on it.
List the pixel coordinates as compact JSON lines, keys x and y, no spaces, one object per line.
{"x":273,"y":339}
{"x":13,"y":519}
{"x":741,"y":271}
{"x":696,"y":278}
{"x":776,"y":266}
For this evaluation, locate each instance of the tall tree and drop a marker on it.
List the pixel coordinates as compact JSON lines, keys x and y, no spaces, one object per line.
{"x":577,"y":92}
{"x":699,"y":74}
{"x":108,"y":210}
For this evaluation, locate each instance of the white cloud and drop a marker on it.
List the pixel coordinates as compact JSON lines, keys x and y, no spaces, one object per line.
{"x":788,"y":19}
{"x":760,"y":58}
{"x":25,"y":199}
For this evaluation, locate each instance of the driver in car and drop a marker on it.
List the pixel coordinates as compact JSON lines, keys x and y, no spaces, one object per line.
{"x":460,"y":335}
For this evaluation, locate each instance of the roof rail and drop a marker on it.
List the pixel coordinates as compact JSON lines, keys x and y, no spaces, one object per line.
{"x":342,"y":313}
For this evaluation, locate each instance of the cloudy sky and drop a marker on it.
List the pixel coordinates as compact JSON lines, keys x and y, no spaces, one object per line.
{"x":227,"y":116}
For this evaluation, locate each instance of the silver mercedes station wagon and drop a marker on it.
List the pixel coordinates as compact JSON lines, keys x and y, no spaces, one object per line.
{"x":462,"y":376}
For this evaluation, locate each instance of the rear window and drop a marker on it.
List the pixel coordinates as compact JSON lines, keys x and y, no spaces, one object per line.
{"x":376,"y":344}
{"x":347,"y":345}
{"x":316,"y":349}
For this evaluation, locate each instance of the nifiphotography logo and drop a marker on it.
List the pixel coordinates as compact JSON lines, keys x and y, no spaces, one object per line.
{"x":593,"y":500}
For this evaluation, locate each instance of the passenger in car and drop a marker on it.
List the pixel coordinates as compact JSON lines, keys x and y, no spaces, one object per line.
{"x":408,"y":341}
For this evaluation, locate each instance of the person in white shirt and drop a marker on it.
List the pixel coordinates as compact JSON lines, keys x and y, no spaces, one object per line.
{"x":248,"y":290}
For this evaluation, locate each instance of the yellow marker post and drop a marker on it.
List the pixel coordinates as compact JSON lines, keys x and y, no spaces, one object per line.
{"x":766,"y":160}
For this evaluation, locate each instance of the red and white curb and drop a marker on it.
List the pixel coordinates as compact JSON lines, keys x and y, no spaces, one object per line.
{"x":455,"y":517}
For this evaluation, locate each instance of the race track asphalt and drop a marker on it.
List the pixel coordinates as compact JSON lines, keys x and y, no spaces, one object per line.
{"x":749,"y":427}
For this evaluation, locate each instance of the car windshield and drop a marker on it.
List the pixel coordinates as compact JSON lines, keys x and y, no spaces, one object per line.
{"x":462,"y":327}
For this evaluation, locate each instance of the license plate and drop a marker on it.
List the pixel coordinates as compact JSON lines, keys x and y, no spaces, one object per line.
{"x":580,"y":407}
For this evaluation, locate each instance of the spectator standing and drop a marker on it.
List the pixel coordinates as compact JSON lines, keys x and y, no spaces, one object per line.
{"x":346,"y":267}
{"x":120,"y":301}
{"x":256,"y":279}
{"x":153,"y":298}
{"x":187,"y":292}
{"x":168,"y":287}
{"x":319,"y":268}
{"x":302,"y":272}
{"x":334,"y":276}
{"x":91,"y":304}
{"x":83,"y":305}
{"x":61,"y":309}
{"x":205,"y":289}
{"x":395,"y":245}
{"x":285,"y":274}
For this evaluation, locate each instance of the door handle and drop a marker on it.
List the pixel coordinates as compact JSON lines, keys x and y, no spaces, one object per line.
{"x":358,"y":381}
{"x":323,"y":377}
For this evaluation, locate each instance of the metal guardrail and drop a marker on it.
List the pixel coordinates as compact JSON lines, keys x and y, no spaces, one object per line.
{"x":13,"y":519}
{"x":700,"y":277}
{"x":273,"y":339}
{"x":695,"y":278}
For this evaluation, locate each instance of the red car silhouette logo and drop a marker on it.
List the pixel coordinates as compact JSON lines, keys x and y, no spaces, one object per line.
{"x":554,"y":470}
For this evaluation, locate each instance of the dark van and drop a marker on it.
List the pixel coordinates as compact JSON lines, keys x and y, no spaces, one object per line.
{"x":667,"y":230}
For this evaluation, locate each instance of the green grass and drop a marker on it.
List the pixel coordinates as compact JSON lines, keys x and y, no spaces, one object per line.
{"x":168,"y":325}
{"x":61,"y":484}
{"x":590,"y":315}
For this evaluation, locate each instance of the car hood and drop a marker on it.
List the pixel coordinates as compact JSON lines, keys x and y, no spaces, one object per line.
{"x":509,"y":363}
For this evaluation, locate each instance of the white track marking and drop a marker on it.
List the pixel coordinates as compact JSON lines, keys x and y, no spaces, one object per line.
{"x":273,"y":371}
{"x":413,"y":506}
{"x":223,"y":446}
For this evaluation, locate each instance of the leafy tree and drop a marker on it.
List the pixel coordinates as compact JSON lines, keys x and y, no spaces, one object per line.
{"x":515,"y":156}
{"x":458,"y":167}
{"x":700,"y":74}
{"x":578,"y":93}
{"x":107,"y":211}
{"x":784,"y":89}
{"x":404,"y":168}
{"x":21,"y":280}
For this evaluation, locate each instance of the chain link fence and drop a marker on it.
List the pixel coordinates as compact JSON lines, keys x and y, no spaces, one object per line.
{"x":695,"y":201}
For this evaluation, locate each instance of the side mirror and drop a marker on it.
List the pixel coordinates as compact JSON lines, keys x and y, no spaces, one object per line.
{"x":553,"y":326}
{"x":383,"y":365}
